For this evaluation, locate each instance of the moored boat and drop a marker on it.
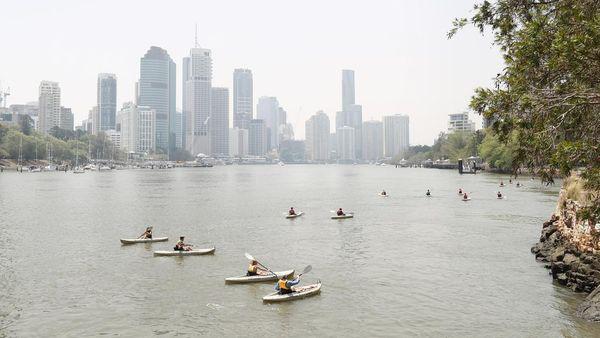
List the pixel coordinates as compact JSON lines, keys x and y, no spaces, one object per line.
{"x":143,"y":240}
{"x":259,"y":278}
{"x":299,"y":293}
{"x":195,"y":252}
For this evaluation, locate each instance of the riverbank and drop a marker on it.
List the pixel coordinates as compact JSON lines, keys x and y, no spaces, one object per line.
{"x":570,"y":247}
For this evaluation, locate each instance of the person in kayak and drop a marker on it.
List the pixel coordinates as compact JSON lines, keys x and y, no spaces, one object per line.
{"x":292,"y":211}
{"x":182,"y":246}
{"x":147,"y":234}
{"x":340,"y":212}
{"x":465,"y":196}
{"x":499,"y":194}
{"x":518,"y":184}
{"x":284,"y":286}
{"x":510,"y":180}
{"x":383,"y":193}
{"x":428,"y":193}
{"x":254,"y":269}
{"x":501,"y":183}
{"x":460,"y":191}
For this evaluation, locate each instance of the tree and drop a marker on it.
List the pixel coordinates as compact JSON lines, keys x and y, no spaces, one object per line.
{"x":549,"y":90}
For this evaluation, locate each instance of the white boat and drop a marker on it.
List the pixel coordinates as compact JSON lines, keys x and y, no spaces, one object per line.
{"x":143,"y":240}
{"x":466,"y":199}
{"x":382,"y":195}
{"x":342,"y":216}
{"x":78,"y":170}
{"x":35,"y":169}
{"x":196,"y":252}
{"x":104,"y":168}
{"x":295,"y":216}
{"x":500,"y":197}
{"x":299,"y":293}
{"x":259,"y":278}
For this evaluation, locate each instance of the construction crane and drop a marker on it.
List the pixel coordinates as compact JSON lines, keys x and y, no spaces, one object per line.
{"x":3,"y":95}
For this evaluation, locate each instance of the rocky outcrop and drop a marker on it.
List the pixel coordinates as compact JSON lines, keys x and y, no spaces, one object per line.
{"x":571,"y":250}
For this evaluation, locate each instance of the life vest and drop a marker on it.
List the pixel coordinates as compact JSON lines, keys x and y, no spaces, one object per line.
{"x":252,"y":268}
{"x":283,"y":284}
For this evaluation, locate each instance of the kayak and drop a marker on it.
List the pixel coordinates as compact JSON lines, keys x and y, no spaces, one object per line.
{"x":501,"y":197}
{"x":259,"y":278}
{"x":143,"y":240}
{"x":185,"y":253}
{"x":299,"y":293}
{"x":382,"y":195}
{"x":343,"y":216}
{"x":466,"y":199}
{"x":294,"y":216}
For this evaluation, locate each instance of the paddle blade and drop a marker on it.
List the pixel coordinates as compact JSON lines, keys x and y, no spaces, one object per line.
{"x":307,"y":269}
{"x":249,"y":256}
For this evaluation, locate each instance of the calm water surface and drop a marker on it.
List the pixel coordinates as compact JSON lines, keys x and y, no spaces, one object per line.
{"x":406,"y":265}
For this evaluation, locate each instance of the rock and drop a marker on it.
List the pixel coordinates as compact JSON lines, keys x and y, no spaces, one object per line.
{"x":569,"y":259}
{"x":556,"y":268}
{"x":590,"y":308}
{"x":562,"y":279}
{"x":558,"y":255}
{"x":587,"y":259}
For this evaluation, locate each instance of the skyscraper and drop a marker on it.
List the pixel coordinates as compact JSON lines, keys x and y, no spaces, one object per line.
{"x":49,"y":101}
{"x":106,"y":99}
{"x":317,"y":137}
{"x":257,"y":137}
{"x":138,"y":128}
{"x":238,"y":142}
{"x":345,"y":144}
{"x":219,"y":121}
{"x":395,"y":135}
{"x":460,"y":123}
{"x":243,"y":102}
{"x":372,"y":139}
{"x":196,"y":107}
{"x":157,"y":91}
{"x":66,"y":119}
{"x":347,"y":88}
{"x":267,"y":109}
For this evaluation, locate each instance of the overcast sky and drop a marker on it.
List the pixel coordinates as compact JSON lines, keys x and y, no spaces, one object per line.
{"x":296,"y":49}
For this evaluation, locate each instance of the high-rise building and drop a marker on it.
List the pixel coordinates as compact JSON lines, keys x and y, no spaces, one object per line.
{"x":345,"y":143}
{"x":49,"y":111}
{"x":257,"y":137}
{"x":460,"y":123}
{"x":352,"y":117}
{"x":106,"y":99}
{"x":317,"y":137}
{"x":372,"y":138}
{"x":395,"y":135}
{"x":157,"y":90}
{"x":238,"y":142}
{"x":137,"y":128}
{"x":67,"y":121}
{"x":267,"y":109}
{"x":347,"y":88}
{"x":196,"y":107}
{"x":179,"y":130}
{"x":243,"y":102}
{"x":219,"y":121}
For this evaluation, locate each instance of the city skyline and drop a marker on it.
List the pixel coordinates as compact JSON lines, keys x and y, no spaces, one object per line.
{"x":421,"y":81}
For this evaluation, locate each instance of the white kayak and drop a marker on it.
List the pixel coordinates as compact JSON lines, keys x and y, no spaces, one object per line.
{"x":382,"y":195}
{"x":143,"y":240}
{"x":258,"y":278}
{"x":466,"y":199}
{"x":342,"y":216}
{"x":500,"y":197}
{"x":299,"y":293}
{"x":185,"y":253}
{"x":294,"y":216}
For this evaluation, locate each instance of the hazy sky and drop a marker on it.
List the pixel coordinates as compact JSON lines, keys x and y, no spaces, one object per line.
{"x":296,"y":50}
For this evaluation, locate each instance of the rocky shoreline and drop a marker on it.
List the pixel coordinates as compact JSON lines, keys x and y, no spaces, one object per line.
{"x":569,"y":247}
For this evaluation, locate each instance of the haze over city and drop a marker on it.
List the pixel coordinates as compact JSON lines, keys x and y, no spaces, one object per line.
{"x":402,"y":60}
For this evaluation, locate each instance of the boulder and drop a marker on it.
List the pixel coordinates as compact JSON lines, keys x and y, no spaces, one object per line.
{"x":590,"y":308}
{"x":562,"y":279}
{"x":569,"y":259}
{"x":557,"y":255}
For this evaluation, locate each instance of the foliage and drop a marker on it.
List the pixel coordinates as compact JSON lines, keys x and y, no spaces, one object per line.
{"x":497,"y":154}
{"x":549,"y":90}
{"x":446,"y":146}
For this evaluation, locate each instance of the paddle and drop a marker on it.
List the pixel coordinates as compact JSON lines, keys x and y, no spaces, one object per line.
{"x":250,"y":257}
{"x":307,"y":269}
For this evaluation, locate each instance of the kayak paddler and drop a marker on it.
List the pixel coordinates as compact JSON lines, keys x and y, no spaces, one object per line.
{"x":383,"y":193}
{"x":147,"y":233}
{"x":460,"y":191}
{"x":465,"y":196}
{"x":284,"y":286}
{"x":428,"y":193}
{"x":292,"y":211}
{"x":181,"y":245}
{"x":340,"y":212}
{"x":254,"y":269}
{"x":499,"y":194}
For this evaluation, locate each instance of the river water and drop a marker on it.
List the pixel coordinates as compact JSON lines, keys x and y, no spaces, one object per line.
{"x":406,"y":265}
